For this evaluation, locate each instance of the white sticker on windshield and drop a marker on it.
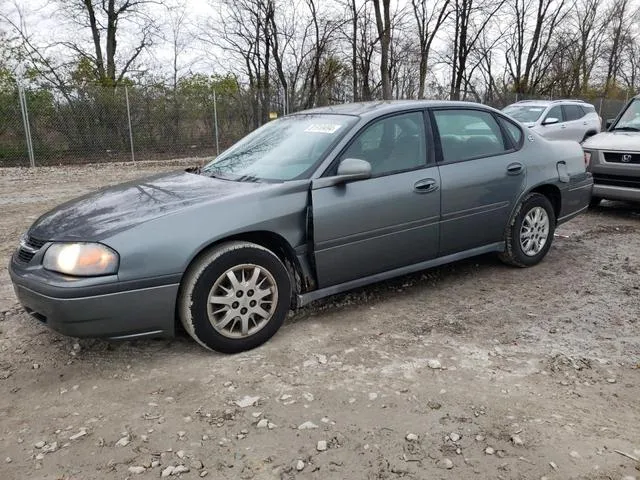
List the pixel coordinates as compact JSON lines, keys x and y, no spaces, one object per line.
{"x":536,"y":109}
{"x":322,"y":128}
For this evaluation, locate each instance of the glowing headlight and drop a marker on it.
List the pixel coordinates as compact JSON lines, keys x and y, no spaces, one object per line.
{"x":81,"y":259}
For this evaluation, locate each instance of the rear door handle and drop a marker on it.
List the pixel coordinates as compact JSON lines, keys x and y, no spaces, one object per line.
{"x":515,"y":168}
{"x":426,"y":185}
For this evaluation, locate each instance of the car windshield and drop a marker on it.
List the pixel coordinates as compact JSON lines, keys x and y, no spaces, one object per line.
{"x":630,"y":119}
{"x":285,"y":149}
{"x":525,"y":114}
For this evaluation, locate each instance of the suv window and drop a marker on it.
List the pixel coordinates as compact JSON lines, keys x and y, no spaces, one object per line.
{"x":573,"y":112}
{"x":466,"y":134}
{"x":392,"y":144}
{"x":556,"y":112}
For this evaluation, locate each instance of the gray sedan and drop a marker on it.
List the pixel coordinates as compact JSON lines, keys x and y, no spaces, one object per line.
{"x":306,"y":206}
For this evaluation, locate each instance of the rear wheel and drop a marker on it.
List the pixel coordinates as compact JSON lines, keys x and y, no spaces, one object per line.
{"x":235,"y":297}
{"x":530,"y":233}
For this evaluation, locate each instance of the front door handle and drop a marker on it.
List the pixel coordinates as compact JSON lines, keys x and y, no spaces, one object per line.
{"x":563,"y":126}
{"x":515,"y":168}
{"x":426,"y":185}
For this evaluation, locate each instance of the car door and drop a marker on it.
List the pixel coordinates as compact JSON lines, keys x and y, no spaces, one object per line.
{"x":387,"y":221}
{"x":554,"y":131}
{"x":576,"y":126}
{"x":481,"y":176}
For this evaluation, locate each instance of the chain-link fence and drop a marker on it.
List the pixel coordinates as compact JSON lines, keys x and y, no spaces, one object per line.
{"x":88,"y":123}
{"x":96,"y":124}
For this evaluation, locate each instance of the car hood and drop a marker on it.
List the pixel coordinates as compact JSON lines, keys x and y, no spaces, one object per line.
{"x":103,"y":213}
{"x":623,"y":141}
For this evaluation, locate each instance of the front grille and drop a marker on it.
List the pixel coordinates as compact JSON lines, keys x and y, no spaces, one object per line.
{"x":25,"y":256}
{"x":616,"y":180}
{"x":36,"y":243}
{"x":32,"y":245}
{"x":621,"y":157}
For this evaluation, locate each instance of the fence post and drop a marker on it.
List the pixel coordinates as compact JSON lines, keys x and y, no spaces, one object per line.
{"x":27,"y":127}
{"x":126,"y":95}
{"x":600,"y":109}
{"x":215,"y":121}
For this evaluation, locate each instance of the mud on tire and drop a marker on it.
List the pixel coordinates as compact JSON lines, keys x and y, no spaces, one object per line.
{"x":514,"y":253}
{"x":223,"y":307}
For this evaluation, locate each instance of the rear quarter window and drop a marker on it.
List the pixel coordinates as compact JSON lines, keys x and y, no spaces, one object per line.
{"x":513,"y":131}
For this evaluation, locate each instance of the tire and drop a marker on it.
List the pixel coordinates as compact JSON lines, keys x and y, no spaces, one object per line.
{"x":210,"y":276}
{"x":515,"y":254}
{"x":594,"y":202}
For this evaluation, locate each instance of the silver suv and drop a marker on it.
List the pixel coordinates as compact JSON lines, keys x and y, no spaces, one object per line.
{"x":557,"y":119}
{"x":614,"y":157}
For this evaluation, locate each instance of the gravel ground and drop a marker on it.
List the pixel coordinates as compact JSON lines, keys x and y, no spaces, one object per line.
{"x":473,"y":370}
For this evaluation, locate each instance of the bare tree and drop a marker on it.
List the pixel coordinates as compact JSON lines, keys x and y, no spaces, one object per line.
{"x":245,"y":36}
{"x":178,"y":39}
{"x":429,"y":18}
{"x":525,"y":50}
{"x":383,"y":25}
{"x":622,"y":16}
{"x":470,"y":19}
{"x":366,"y":48}
{"x":103,"y":18}
{"x":102,"y":21}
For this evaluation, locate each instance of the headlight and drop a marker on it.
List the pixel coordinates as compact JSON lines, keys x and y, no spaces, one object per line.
{"x":81,"y":259}
{"x":587,"y":158}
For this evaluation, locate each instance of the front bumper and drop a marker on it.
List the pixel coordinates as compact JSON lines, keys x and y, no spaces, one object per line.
{"x":611,"y":192}
{"x":143,"y":312}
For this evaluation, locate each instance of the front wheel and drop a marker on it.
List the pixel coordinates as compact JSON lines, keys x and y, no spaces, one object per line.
{"x":530,"y":233}
{"x":234,"y":297}
{"x":594,"y":202}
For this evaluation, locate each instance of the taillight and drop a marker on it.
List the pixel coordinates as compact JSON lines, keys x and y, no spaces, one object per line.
{"x":587,"y":159}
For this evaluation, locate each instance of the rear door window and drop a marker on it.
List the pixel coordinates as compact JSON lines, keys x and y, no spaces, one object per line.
{"x":573,"y":112}
{"x":466,"y":134}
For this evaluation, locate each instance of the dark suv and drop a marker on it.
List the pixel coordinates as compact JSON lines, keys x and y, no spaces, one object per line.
{"x":614,"y":157}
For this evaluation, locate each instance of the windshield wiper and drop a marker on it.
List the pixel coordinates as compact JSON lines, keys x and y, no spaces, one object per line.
{"x":247,"y":178}
{"x":197,"y":169}
{"x":626,"y":129}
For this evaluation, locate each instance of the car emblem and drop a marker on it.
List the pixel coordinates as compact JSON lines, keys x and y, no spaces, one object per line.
{"x":626,"y":158}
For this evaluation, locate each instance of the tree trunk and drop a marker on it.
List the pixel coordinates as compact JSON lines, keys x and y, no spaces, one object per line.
{"x":383,"y":23}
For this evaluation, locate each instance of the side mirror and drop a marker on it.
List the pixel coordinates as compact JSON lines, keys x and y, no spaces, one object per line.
{"x":609,"y":122}
{"x":349,"y":170}
{"x":354,"y":168}
{"x":550,"y":121}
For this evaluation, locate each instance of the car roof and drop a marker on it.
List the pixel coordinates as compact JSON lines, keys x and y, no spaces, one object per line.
{"x":377,"y":108}
{"x":547,"y":103}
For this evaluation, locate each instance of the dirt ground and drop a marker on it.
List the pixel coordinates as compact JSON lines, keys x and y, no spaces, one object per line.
{"x":473,"y":370}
